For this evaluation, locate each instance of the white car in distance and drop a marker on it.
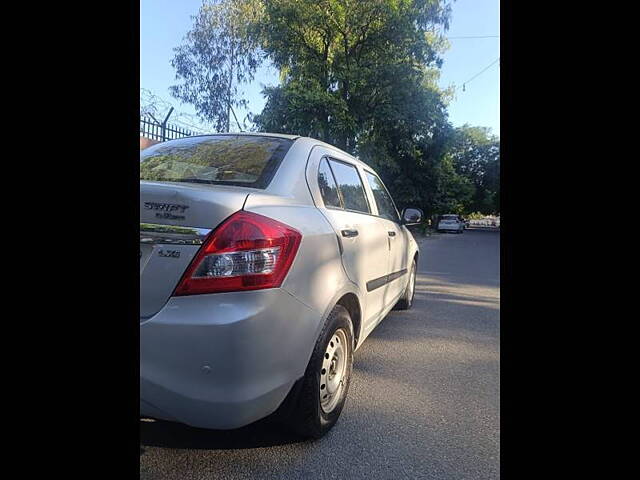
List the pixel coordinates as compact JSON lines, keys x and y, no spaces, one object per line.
{"x":450,"y":223}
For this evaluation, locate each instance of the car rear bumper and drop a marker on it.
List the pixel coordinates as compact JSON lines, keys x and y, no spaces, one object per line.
{"x":224,"y":360}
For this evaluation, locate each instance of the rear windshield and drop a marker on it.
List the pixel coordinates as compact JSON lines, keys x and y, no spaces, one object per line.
{"x":449,"y":217}
{"x":244,"y":160}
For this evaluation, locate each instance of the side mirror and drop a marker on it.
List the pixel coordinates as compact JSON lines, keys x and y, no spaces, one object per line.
{"x":411,"y":216}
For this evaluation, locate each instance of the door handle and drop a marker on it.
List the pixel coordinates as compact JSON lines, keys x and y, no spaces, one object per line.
{"x":350,"y":233}
{"x":391,"y":233}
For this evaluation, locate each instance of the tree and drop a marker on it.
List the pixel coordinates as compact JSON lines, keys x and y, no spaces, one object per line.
{"x":345,"y":63}
{"x":217,"y":57}
{"x":361,"y":75}
{"x":476,"y":154}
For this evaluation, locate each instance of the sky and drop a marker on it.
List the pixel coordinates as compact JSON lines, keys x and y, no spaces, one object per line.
{"x":164,"y":23}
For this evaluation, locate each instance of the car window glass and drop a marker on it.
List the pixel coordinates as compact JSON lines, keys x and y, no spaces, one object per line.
{"x":350,"y":186}
{"x":245,"y":160}
{"x":327,"y":184}
{"x":386,"y":208}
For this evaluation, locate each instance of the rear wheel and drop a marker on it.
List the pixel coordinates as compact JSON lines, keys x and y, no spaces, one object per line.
{"x":326,"y":382}
{"x":406,"y":301}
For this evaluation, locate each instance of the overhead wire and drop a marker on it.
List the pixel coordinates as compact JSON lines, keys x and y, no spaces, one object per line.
{"x":480,"y":72}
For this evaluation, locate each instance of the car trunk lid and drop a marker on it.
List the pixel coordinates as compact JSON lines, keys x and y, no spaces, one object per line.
{"x":175,"y":218}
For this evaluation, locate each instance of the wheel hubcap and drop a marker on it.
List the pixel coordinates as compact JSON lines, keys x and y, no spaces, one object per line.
{"x":333,"y":371}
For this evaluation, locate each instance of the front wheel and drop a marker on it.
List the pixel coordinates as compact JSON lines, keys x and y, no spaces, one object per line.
{"x":406,"y":301}
{"x":327,"y":378}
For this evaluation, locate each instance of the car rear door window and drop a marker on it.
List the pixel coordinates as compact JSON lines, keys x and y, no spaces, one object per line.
{"x":327,"y":184}
{"x":386,"y":207}
{"x":350,"y":186}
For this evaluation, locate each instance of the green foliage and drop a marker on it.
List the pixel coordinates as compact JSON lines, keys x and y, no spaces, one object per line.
{"x":476,"y":216}
{"x":361,"y":75}
{"x":348,"y":66}
{"x":476,"y":154}
{"x":218,"y":55}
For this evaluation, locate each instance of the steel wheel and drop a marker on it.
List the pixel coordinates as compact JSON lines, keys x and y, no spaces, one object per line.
{"x":315,"y":405}
{"x":333,"y":371}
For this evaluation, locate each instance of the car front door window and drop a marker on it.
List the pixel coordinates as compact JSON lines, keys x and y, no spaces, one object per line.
{"x":386,"y":207}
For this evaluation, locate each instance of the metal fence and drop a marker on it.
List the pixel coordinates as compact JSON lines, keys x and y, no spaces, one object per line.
{"x":161,"y":132}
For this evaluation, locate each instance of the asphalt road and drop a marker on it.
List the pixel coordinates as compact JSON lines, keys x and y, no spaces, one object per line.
{"x":424,"y":398}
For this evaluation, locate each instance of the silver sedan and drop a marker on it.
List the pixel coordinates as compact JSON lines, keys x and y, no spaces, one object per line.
{"x":265,"y":262}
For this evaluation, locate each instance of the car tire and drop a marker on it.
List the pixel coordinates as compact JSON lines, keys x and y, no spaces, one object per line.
{"x":406,"y":301}
{"x":314,"y":413}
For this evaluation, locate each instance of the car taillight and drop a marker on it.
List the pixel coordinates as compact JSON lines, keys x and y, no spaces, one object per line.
{"x":246,"y":252}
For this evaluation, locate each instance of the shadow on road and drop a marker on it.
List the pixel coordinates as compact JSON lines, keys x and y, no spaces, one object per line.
{"x":264,"y":433}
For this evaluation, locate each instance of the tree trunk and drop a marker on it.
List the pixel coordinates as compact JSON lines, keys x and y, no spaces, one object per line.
{"x":229,"y":92}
